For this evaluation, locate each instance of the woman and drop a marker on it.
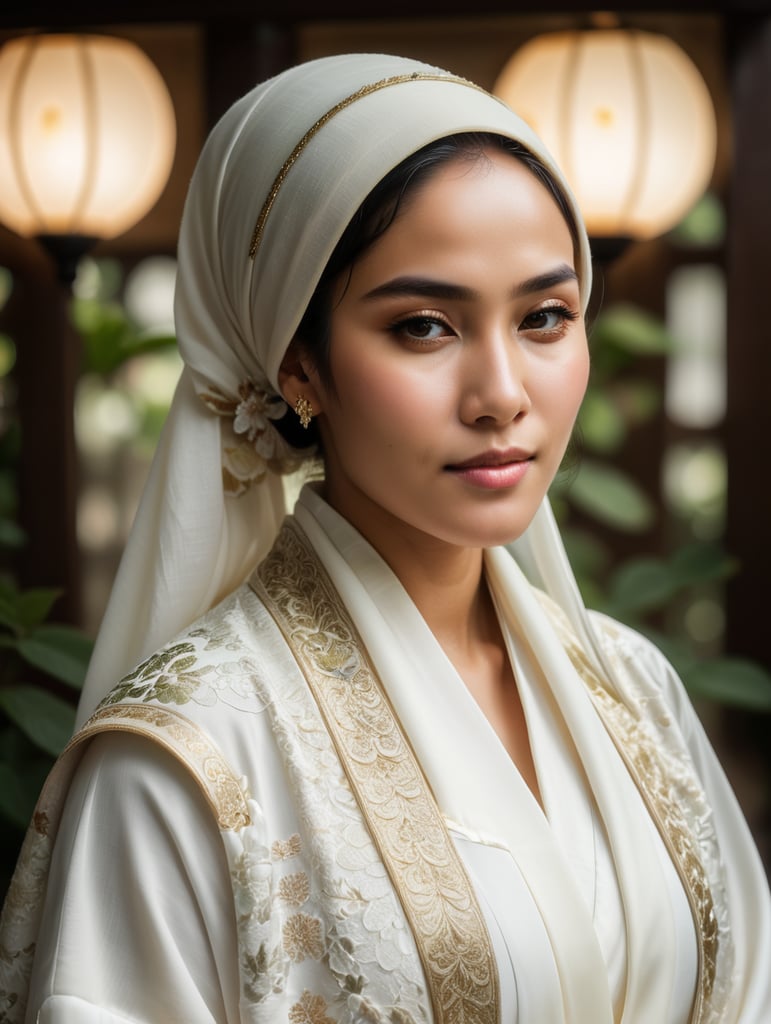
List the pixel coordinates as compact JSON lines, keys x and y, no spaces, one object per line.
{"x":390,"y":777}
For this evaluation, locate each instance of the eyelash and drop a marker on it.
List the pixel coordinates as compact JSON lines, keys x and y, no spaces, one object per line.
{"x":565,"y":313}
{"x":402,"y":327}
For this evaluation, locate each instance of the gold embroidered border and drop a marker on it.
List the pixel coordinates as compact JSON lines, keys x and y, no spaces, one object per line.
{"x":189,"y":744}
{"x":22,"y":911}
{"x":649,"y":773}
{"x":392,"y":793}
{"x":366,"y":90}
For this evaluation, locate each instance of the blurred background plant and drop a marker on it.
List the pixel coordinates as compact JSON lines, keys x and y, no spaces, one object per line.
{"x":128,"y":372}
{"x":675,"y":598}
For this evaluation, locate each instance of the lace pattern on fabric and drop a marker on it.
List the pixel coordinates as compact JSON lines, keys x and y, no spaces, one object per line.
{"x":679,"y":810}
{"x":416,"y":848}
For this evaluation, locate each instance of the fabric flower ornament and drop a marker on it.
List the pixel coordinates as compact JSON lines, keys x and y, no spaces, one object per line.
{"x":251,"y":445}
{"x":252,"y":417}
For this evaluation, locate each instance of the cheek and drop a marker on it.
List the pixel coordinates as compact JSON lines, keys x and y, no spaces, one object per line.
{"x":557,"y":393}
{"x":387,"y":401}
{"x":568,"y":385}
{"x":579,"y":379}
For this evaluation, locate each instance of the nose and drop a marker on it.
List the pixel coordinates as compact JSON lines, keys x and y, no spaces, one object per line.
{"x":494,"y":381}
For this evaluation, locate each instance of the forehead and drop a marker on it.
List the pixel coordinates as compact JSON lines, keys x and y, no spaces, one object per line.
{"x":476,"y":205}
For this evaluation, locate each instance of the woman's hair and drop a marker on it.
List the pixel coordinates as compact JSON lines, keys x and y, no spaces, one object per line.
{"x":375,"y":215}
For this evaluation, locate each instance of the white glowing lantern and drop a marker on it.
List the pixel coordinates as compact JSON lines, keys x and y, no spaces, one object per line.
{"x":87,"y":135}
{"x":627,"y":116}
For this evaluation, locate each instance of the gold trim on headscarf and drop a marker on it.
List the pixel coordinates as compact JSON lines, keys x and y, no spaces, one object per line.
{"x":365,"y":90}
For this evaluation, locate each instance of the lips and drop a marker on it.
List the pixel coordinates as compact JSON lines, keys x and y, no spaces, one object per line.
{"x":492,"y":458}
{"x":493,"y":470}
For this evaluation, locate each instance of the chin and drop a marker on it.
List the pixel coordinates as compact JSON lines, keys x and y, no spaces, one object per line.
{"x":497,"y":535}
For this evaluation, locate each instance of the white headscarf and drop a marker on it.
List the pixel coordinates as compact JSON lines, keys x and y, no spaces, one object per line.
{"x":277,"y":182}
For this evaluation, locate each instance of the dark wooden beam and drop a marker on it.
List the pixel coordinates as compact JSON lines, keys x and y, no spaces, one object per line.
{"x":47,"y":359}
{"x":748,"y":425}
{"x":239,"y":54}
{"x":82,"y":13}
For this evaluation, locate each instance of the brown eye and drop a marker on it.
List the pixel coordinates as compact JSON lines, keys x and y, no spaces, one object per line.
{"x":425,"y":329}
{"x":421,"y":327}
{"x":549,"y":321}
{"x":544,"y":319}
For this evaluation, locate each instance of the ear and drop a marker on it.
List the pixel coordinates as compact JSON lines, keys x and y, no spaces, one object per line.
{"x":297,"y":377}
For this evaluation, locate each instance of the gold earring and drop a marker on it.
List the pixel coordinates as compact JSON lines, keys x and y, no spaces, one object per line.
{"x":304,"y":411}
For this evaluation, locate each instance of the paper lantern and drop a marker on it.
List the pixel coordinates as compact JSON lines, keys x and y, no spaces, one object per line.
{"x":87,"y":135}
{"x":628,"y":118}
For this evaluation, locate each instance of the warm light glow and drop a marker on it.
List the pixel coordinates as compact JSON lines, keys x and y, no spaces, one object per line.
{"x":628,"y":118}
{"x":87,"y":135}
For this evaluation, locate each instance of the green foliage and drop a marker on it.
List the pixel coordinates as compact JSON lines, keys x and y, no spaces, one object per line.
{"x":38,"y":659}
{"x":625,"y":330}
{"x":733,"y":681}
{"x":704,"y":225}
{"x":44,"y":718}
{"x":643,"y":591}
{"x":611,"y":497}
{"x":23,"y":770}
{"x":42,"y":663}
{"x":648,"y":584}
{"x":61,"y":652}
{"x":109,"y":336}
{"x":11,"y":535}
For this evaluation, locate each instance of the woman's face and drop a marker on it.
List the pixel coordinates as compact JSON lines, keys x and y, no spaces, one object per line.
{"x":459,"y":357}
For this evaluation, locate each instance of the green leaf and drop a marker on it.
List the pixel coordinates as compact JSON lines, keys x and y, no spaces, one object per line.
{"x":46,"y":719}
{"x":60,"y":651}
{"x":587,"y":554}
{"x":15,"y":804}
{"x":611,"y":497}
{"x":35,"y":604}
{"x":11,"y":535}
{"x":20,"y":784}
{"x":7,"y":354}
{"x":632,"y":330}
{"x":103,"y":328}
{"x":733,"y":681}
{"x":703,"y":225}
{"x":110,"y":337}
{"x":642,"y":584}
{"x":146,"y":341}
{"x":9,"y":611}
{"x":602,"y":426}
{"x":702,"y":563}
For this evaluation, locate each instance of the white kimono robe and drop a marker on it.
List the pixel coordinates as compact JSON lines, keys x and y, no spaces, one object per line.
{"x":296,"y":812}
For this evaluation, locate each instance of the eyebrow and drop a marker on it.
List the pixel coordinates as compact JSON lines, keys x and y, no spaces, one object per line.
{"x":430,"y":288}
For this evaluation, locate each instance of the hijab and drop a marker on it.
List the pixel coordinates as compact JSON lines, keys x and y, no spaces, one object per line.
{"x":277,"y":182}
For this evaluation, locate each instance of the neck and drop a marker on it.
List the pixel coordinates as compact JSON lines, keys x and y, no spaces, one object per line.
{"x":444,"y":580}
{"x":446,"y":584}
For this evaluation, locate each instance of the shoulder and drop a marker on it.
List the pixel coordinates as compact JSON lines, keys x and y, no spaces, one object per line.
{"x":652,"y":676}
{"x":220,"y":674}
{"x":628,"y":667}
{"x":206,"y":662}
{"x":202,"y":699}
